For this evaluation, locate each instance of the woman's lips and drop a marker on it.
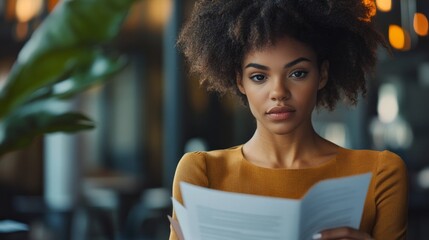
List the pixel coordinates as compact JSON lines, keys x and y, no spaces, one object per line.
{"x":280,"y":113}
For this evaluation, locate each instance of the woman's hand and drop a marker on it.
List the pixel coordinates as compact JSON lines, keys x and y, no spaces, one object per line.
{"x":343,"y":233}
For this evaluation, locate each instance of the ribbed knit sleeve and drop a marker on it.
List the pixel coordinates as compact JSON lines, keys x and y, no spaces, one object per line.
{"x":391,"y":197}
{"x":191,"y":169}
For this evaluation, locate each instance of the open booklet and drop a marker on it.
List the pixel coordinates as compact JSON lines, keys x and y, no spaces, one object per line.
{"x":217,"y":215}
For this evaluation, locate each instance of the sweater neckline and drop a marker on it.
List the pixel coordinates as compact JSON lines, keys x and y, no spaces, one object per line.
{"x":324,"y":165}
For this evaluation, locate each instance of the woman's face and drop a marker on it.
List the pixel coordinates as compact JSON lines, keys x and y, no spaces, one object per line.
{"x":281,"y":82}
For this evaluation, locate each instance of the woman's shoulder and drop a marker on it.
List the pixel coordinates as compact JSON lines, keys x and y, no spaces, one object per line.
{"x":371,"y":155}
{"x":205,"y":157}
{"x":379,"y":159}
{"x":196,"y":167}
{"x":213,"y":154}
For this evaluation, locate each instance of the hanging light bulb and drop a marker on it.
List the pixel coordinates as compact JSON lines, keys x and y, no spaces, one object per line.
{"x":384,"y":5}
{"x":399,"y":38}
{"x":420,"y":24}
{"x":25,"y":10}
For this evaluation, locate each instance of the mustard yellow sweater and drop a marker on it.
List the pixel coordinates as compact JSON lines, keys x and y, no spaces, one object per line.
{"x":385,"y":211}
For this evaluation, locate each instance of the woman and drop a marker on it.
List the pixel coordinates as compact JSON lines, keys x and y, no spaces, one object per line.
{"x":283,"y":59}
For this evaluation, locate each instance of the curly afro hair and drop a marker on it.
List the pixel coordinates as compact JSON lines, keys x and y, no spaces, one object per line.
{"x":220,"y":32}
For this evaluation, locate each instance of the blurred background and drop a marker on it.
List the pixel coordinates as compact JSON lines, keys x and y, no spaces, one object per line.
{"x":114,"y":182}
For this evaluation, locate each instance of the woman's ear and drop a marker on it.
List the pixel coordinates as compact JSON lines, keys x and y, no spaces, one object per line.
{"x":324,"y":74}
{"x":239,"y":82}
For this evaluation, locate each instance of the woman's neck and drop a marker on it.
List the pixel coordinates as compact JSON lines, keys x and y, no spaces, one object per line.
{"x":295,"y":150}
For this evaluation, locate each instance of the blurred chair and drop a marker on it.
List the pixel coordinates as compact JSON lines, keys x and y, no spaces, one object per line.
{"x":104,"y":206}
{"x":148,"y":220}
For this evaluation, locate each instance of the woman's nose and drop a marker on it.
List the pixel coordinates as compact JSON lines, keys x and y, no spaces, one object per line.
{"x":279,"y":90}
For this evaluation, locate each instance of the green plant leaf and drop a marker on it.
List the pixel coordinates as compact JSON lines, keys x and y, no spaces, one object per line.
{"x":65,"y":43}
{"x":68,"y":53}
{"x":99,"y":69}
{"x":20,"y":128}
{"x":96,"y":71}
{"x":25,"y":79}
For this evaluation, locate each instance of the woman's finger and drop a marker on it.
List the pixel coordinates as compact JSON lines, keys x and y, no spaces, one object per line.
{"x":342,"y":233}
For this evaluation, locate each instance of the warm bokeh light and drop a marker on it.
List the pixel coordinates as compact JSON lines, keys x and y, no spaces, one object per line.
{"x":158,"y":12}
{"x":152,"y":14}
{"x":384,"y":5}
{"x":420,"y":24}
{"x":27,"y":9}
{"x":398,"y":38}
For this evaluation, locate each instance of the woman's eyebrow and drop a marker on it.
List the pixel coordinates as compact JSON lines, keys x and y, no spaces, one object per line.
{"x":296,"y":61}
{"x":288,"y":65}
{"x":258,"y":66}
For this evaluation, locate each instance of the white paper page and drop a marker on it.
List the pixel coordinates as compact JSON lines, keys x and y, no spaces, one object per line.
{"x":176,"y":228}
{"x":218,"y":215}
{"x":334,"y":203}
{"x":182,"y":216}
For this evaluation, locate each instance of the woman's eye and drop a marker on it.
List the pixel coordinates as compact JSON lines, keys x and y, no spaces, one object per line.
{"x":299,"y":74}
{"x":258,"y":77}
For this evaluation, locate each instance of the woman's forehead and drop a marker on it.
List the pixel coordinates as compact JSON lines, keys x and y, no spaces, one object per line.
{"x":285,"y":47}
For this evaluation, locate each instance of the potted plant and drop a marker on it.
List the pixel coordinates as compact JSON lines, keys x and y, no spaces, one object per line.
{"x":68,"y":53}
